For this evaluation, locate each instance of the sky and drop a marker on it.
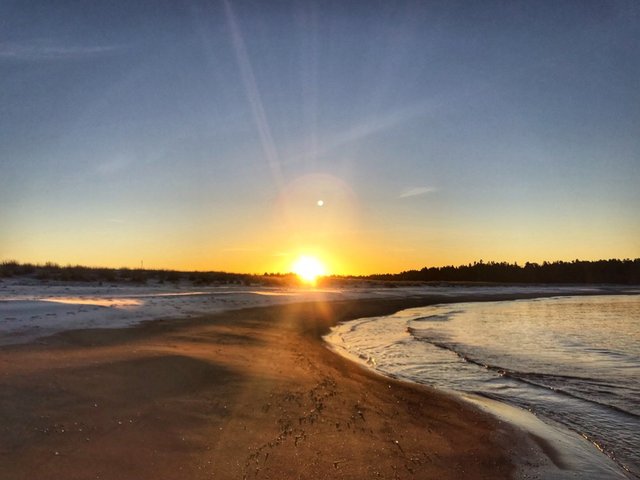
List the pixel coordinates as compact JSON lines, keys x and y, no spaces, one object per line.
{"x":377,"y":136}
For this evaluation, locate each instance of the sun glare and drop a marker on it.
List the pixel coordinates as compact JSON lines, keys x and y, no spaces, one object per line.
{"x":308,"y":269}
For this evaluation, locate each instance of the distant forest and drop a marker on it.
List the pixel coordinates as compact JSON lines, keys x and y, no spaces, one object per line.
{"x":600,"y":271}
{"x":575,"y":272}
{"x":78,"y":273}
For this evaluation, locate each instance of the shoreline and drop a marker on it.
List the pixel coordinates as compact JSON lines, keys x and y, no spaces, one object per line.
{"x":563,"y":452}
{"x":31,"y":309}
{"x":251,"y":393}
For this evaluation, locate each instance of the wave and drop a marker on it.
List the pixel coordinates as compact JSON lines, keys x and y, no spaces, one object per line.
{"x":536,"y":379}
{"x":570,"y":362}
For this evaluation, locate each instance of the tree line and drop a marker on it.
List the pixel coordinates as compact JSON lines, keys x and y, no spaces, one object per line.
{"x":578,"y":271}
{"x":78,"y":273}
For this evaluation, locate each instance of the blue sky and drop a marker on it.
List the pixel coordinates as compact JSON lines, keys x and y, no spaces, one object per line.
{"x":201,"y":134}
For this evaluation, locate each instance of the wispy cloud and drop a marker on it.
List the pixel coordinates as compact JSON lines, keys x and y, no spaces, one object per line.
{"x":48,"y":50}
{"x":417,"y":191}
{"x":113,"y":166}
{"x":367,"y":127}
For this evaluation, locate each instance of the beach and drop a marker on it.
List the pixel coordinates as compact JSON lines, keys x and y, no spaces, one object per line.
{"x":568,"y":363}
{"x":251,"y":393}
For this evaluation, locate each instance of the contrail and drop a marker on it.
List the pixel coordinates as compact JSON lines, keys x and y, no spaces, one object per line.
{"x":253,"y":96}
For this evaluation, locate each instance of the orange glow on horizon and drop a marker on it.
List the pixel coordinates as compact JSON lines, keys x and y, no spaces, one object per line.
{"x":309,"y":269}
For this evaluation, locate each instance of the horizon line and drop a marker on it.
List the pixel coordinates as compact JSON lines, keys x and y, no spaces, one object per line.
{"x":55,"y":265}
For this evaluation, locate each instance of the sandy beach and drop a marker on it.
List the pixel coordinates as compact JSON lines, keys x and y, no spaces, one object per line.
{"x":319,"y":240}
{"x":250,"y":393}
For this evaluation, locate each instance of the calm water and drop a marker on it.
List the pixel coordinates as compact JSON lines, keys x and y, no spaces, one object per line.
{"x":575,"y":360}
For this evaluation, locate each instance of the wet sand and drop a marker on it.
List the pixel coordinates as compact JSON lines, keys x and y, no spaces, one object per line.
{"x":249,"y":393}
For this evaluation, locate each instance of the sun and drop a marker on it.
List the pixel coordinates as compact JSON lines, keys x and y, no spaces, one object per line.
{"x":309,"y":269}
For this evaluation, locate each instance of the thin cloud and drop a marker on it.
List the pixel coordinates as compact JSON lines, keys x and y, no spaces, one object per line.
{"x":43,"y":50}
{"x":417,"y":191}
{"x":113,"y":166}
{"x":368,"y":127}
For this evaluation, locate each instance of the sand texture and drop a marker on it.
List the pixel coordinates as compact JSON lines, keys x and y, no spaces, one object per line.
{"x":250,"y":393}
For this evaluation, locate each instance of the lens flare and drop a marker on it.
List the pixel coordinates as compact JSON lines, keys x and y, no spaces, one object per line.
{"x":308,"y":269}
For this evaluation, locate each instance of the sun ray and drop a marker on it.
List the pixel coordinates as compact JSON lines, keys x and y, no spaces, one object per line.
{"x":309,"y":269}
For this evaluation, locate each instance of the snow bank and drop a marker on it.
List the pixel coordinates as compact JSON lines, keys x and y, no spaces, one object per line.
{"x":31,"y":309}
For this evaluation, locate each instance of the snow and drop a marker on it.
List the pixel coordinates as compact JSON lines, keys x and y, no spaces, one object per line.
{"x":31,"y":309}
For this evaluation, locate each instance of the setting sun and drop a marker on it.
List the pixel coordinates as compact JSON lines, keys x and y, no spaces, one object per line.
{"x":308,"y":269}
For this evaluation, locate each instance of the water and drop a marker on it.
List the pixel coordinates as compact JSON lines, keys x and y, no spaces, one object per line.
{"x":574,"y":360}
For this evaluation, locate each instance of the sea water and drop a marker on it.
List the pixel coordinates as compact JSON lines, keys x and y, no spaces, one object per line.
{"x":572,"y":360}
